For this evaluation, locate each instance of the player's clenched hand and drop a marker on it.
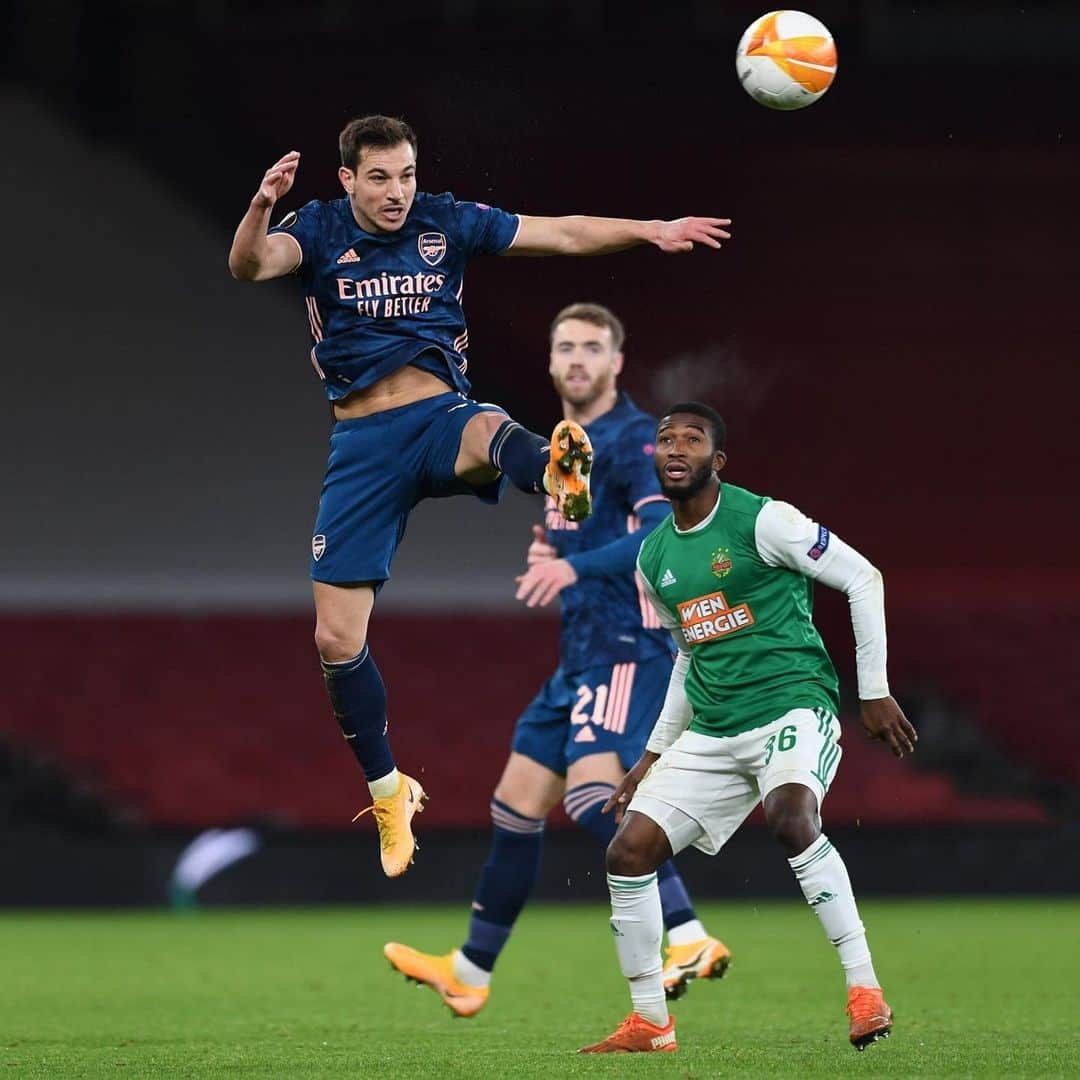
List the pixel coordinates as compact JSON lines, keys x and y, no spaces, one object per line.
{"x":540,"y":550}
{"x":885,"y":720}
{"x":621,"y":796}
{"x":277,"y":180}
{"x":543,"y":581}
{"x":684,"y":233}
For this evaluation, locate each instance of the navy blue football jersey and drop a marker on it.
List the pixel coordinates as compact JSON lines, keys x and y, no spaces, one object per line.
{"x":379,"y":301}
{"x":607,"y":619}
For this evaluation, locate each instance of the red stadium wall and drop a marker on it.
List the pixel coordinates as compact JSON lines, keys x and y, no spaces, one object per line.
{"x":200,"y":721}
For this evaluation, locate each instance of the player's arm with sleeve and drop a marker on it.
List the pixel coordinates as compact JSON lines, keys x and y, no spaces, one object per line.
{"x":639,"y":490}
{"x":550,"y":572}
{"x":578,"y":234}
{"x":259,"y":253}
{"x":787,"y":538}
{"x":483,"y":229}
{"x":620,"y":556}
{"x":676,"y":713}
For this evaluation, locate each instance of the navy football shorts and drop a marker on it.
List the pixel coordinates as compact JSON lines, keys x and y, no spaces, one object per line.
{"x":380,"y":467}
{"x":610,"y":708}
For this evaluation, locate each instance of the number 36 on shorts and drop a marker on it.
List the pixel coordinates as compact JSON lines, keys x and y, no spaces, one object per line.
{"x":810,"y":744}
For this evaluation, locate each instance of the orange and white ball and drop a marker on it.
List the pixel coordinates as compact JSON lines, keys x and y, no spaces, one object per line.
{"x":786,"y":60}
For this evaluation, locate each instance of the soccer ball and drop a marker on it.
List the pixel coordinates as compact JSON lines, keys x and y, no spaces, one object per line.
{"x":786,"y":60}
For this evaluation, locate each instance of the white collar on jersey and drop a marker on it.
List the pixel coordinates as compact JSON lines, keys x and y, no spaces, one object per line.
{"x":704,"y":523}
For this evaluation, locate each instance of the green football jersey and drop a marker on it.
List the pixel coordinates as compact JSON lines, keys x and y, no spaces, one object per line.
{"x":755,"y":653}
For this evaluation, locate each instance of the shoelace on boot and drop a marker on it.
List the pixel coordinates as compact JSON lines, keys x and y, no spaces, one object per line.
{"x":864,"y":1005}
{"x":384,"y":821}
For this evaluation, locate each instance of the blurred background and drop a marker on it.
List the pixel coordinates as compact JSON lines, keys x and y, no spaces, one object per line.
{"x":891,"y":334}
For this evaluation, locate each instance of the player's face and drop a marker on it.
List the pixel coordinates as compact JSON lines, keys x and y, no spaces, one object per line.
{"x":382,"y":186}
{"x":584,"y":362}
{"x":684,"y":457}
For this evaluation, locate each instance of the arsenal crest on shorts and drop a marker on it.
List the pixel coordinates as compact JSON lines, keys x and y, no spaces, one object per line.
{"x":318,"y":546}
{"x":432,"y":247}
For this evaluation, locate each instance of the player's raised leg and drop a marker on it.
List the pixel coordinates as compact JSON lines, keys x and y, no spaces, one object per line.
{"x":358,"y":697}
{"x":639,"y":847}
{"x":524,"y":797}
{"x":492,"y":443}
{"x":792,"y":815}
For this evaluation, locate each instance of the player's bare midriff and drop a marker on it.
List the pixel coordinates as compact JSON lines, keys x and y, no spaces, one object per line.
{"x":401,"y":387}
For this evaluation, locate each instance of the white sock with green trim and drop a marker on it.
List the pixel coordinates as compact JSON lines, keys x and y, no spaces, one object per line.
{"x":825,"y":884}
{"x":638,"y":926}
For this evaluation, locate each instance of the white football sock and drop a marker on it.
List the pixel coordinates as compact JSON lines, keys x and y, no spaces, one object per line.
{"x":465,"y":971}
{"x":825,"y":884}
{"x":638,"y":926}
{"x":386,"y":785}
{"x":686,"y":933}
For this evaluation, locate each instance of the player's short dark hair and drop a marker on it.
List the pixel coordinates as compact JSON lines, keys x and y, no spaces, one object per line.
{"x":596,"y":314}
{"x":365,"y":131}
{"x":706,"y":412}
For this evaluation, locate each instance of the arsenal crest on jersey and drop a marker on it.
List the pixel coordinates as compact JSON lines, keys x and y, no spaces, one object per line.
{"x":432,"y":247}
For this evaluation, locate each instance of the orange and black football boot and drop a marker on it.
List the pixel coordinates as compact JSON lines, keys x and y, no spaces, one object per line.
{"x":438,"y":973}
{"x":705,"y":959}
{"x":566,"y":478}
{"x":636,"y":1035}
{"x":871,"y":1017}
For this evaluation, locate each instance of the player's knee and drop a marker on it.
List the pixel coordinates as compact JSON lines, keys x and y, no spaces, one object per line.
{"x":336,"y":644}
{"x":794,"y":827}
{"x":527,"y":804}
{"x":629,"y":856}
{"x":487,"y":424}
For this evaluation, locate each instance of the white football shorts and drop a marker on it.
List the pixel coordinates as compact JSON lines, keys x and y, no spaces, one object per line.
{"x":703,"y":788}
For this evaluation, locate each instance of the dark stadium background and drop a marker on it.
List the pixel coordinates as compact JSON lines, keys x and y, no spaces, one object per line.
{"x":892,"y":335}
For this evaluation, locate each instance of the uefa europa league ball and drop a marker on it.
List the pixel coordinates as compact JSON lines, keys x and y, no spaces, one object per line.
{"x":786,"y":60}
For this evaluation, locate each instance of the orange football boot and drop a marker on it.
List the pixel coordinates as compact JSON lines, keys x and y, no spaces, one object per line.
{"x":871,"y":1017}
{"x":438,"y":973}
{"x":393,"y":816}
{"x":636,"y":1035}
{"x":705,"y":959}
{"x":566,"y":478}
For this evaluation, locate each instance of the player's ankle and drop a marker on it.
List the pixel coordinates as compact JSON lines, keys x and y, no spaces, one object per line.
{"x":861,"y":975}
{"x":385,"y":786}
{"x":520,"y":455}
{"x":648,"y":1000}
{"x":467,"y":973}
{"x":686,"y":933}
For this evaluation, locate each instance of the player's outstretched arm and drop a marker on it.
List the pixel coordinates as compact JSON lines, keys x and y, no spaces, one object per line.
{"x":579,"y":235}
{"x":254,"y":256}
{"x":548,"y":574}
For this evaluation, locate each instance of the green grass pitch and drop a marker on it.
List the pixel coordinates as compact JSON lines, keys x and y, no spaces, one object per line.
{"x":979,"y":988}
